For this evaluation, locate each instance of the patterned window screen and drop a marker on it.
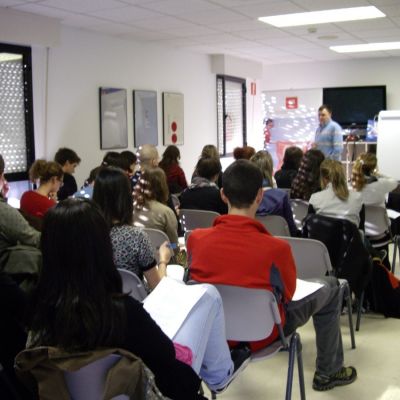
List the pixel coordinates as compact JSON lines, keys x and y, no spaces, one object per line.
{"x":231,"y":112}
{"x":16,"y":125}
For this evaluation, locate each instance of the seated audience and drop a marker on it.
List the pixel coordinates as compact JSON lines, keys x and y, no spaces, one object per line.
{"x":68,"y":160}
{"x":366,"y":180}
{"x":115,"y":159}
{"x":307,"y":181}
{"x":373,"y":189}
{"x":150,"y":201}
{"x":50,"y":176}
{"x":245,"y":152}
{"x":86,"y":191}
{"x":131,"y":159}
{"x":175,"y":175}
{"x":79,"y":306}
{"x":274,"y":201}
{"x":131,"y":246}
{"x":291,"y":163}
{"x":203,"y":192}
{"x":238,"y":250}
{"x":19,"y":242}
{"x":148,"y":158}
{"x":209,"y":151}
{"x":335,"y":200}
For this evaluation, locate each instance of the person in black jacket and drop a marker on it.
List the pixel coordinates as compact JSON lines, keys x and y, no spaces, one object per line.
{"x":79,"y":305}
{"x":68,"y":160}
{"x":291,"y":163}
{"x":203,"y":193}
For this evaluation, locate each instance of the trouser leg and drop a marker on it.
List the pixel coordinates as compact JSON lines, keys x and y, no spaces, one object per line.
{"x":204,"y":333}
{"x":323,"y":306}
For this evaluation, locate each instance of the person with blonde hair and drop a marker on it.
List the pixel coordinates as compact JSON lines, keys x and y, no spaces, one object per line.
{"x":335,"y":200}
{"x":373,"y":189}
{"x":366,"y":180}
{"x":209,"y":151}
{"x":274,"y":201}
{"x":49,"y":177}
{"x":150,"y":201}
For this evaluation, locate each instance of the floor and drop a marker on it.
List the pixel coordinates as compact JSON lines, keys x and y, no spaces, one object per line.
{"x":377,"y":359}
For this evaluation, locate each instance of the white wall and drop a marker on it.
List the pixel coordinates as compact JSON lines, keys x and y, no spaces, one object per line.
{"x":360,"y":72}
{"x":85,"y":61}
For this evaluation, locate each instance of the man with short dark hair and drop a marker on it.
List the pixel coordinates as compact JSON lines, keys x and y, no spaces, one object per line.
{"x":239,"y":251}
{"x":68,"y":160}
{"x":329,"y":135}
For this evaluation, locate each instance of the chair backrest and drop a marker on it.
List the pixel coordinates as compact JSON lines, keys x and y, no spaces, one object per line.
{"x":89,"y":381}
{"x":376,"y":221}
{"x":175,"y":200}
{"x":299,"y":210}
{"x":275,"y":224}
{"x":250,"y":314}
{"x":157,"y":238}
{"x":193,"y":219}
{"x":132,"y":284}
{"x":311,"y":257}
{"x":349,"y":257}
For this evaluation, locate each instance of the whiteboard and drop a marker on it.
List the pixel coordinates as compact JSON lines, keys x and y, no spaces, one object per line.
{"x":388,"y":143}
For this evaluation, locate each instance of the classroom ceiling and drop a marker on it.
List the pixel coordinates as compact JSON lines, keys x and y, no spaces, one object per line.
{"x":226,"y":26}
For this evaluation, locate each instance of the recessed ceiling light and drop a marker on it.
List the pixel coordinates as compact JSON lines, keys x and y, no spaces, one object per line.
{"x":358,"y":48}
{"x":323,"y":17}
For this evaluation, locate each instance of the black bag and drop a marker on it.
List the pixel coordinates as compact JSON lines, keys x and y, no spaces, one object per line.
{"x":383,"y":291}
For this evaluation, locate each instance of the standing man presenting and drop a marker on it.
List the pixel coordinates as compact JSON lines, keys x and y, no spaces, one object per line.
{"x":329,"y":136}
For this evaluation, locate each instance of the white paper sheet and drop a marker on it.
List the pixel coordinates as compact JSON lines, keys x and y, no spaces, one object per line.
{"x":304,"y":289}
{"x":392,"y":214}
{"x":170,"y":303}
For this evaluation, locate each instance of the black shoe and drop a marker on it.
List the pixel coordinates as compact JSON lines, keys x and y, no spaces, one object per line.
{"x":240,"y":357}
{"x":344,"y":376}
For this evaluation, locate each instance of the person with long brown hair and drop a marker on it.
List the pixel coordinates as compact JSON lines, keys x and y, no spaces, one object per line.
{"x":307,"y":180}
{"x":335,"y":200}
{"x":174,"y":173}
{"x":150,"y":201}
{"x":49,"y":175}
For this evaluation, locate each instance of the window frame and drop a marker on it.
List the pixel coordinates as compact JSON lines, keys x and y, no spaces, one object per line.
{"x":26,"y":53}
{"x":242,"y":81}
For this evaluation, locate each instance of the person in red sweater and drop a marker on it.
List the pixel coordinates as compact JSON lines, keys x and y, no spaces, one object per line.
{"x":239,"y":251}
{"x":50,"y":177}
{"x":175,"y":175}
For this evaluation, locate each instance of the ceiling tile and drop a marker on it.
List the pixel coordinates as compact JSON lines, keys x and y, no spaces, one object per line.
{"x":161,"y":23}
{"x":124,"y":14}
{"x":316,"y":5}
{"x":376,"y":35}
{"x":145,"y":36}
{"x":82,"y":6}
{"x":238,"y":3}
{"x":266,"y":9}
{"x":191,"y":30}
{"x":355,"y":26}
{"x":267,"y":33}
{"x":178,"y":42}
{"x":217,"y":38}
{"x":393,"y":11}
{"x":9,"y":3}
{"x":42,"y":10}
{"x":220,"y":15}
{"x":237,"y":26}
{"x":176,"y":7}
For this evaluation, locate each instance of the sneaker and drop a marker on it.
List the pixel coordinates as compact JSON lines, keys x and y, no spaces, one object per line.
{"x":240,"y":358}
{"x":344,"y":376}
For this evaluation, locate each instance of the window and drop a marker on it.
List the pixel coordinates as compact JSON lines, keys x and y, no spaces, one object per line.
{"x":16,"y":111}
{"x":231,"y":113}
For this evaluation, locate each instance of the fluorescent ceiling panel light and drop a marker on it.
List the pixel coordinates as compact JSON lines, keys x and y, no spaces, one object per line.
{"x":358,"y":48}
{"x":323,"y":17}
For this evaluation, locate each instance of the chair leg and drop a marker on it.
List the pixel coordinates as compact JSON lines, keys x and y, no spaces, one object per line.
{"x":396,"y":245}
{"x":292,"y":355}
{"x":361,"y":301}
{"x":213,"y":396}
{"x":346,"y":295}
{"x":300,"y":367}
